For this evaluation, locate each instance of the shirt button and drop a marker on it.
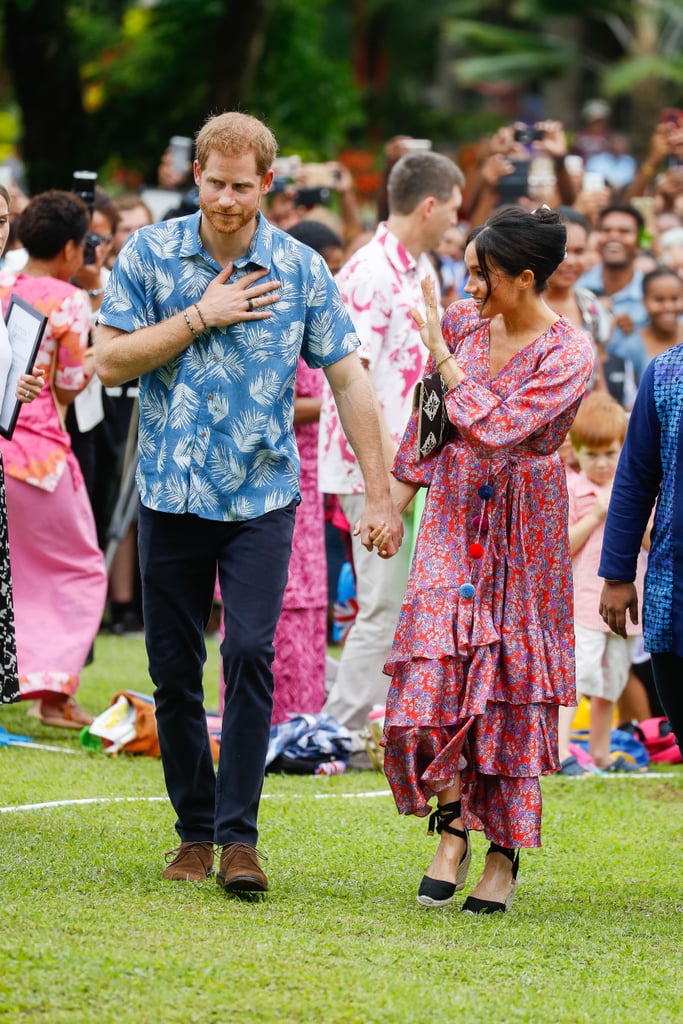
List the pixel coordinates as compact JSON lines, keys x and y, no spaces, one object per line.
{"x":209,"y":396}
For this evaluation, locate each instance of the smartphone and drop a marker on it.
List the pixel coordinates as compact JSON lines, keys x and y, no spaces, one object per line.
{"x":592,"y":181}
{"x":181,"y":153}
{"x":83,"y":184}
{"x":671,"y":115}
{"x":527,"y":135}
{"x":574,"y":163}
{"x":516,"y":184}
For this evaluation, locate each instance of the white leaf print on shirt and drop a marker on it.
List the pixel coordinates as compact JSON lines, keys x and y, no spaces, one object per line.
{"x":248,"y":430}
{"x":223,"y":465}
{"x":184,"y":406}
{"x":265,"y":388}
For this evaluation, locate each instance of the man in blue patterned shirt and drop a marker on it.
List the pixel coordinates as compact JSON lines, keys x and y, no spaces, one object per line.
{"x":211,"y":311}
{"x":650,"y":475}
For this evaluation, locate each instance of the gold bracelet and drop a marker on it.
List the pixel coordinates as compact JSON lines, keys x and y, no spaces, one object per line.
{"x":189,"y":323}
{"x":201,"y":316}
{"x":444,"y":360}
{"x":648,"y":170}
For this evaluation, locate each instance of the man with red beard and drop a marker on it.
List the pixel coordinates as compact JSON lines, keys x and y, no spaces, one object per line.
{"x":212,"y":312}
{"x":616,"y":280}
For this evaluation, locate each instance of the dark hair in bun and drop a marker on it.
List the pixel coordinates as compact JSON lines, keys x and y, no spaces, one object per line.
{"x":513,"y":240}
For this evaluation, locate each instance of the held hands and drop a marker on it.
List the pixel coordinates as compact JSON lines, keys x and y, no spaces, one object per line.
{"x":387,"y":538}
{"x":615,"y":600}
{"x":29,"y":386}
{"x":223,"y":304}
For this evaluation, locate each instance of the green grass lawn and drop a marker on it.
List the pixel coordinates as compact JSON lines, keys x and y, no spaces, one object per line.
{"x":91,"y":934}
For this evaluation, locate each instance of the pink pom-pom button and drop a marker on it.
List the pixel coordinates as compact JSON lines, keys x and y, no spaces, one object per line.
{"x":480,"y":522}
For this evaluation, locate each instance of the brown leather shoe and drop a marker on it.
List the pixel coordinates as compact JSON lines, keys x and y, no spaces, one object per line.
{"x":239,"y":870}
{"x":192,"y":862}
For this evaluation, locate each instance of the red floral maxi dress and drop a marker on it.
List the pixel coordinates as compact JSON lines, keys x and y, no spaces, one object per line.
{"x":484,"y":648}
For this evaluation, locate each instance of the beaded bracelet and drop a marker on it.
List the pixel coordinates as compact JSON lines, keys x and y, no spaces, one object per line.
{"x":201,"y":316}
{"x":189,"y":323}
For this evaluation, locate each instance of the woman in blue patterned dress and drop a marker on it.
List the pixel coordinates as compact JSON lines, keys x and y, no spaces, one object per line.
{"x":650,"y":475}
{"x":483,"y":653}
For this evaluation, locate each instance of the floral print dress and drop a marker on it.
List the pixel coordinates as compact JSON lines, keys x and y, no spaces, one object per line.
{"x":484,"y":648}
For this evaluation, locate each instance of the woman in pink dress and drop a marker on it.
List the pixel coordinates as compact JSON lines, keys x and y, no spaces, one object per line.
{"x":301,"y":635}
{"x":484,"y":649}
{"x":28,"y":387}
{"x":58,"y":574}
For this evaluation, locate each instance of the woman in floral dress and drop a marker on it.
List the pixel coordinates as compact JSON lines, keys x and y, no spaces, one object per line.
{"x":483,"y":653}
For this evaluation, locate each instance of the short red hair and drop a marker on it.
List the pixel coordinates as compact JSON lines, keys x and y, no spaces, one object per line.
{"x":600,"y":422}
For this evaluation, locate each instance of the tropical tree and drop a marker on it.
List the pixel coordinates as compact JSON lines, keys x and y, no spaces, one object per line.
{"x":629,"y":49}
{"x":102,"y":83}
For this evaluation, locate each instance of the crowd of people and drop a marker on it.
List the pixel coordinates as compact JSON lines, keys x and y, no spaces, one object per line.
{"x":252,"y":356}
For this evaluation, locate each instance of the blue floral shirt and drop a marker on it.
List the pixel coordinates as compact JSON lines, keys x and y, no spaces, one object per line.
{"x":216,"y":431}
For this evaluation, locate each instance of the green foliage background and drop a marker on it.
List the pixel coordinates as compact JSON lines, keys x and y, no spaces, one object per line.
{"x":325,"y":74}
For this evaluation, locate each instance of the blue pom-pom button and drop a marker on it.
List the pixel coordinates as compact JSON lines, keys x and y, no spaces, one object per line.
{"x":466,"y":591}
{"x":485,"y":492}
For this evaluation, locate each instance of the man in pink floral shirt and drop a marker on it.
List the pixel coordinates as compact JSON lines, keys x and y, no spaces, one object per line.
{"x":380,"y":285}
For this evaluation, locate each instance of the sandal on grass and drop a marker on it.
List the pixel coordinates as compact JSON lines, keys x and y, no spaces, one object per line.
{"x":63,"y":713}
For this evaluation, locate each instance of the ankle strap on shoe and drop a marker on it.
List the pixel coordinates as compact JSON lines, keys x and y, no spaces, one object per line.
{"x":511,"y":854}
{"x":443,"y":817}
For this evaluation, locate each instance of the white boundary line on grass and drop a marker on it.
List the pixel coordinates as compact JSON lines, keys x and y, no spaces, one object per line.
{"x":153,"y":799}
{"x":370,"y":795}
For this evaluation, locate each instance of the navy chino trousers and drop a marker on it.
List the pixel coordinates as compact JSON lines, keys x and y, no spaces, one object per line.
{"x":179,"y":556}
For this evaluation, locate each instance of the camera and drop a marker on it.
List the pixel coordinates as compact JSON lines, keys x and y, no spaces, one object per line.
{"x":313,"y":197}
{"x":527,"y":135}
{"x":91,"y":242}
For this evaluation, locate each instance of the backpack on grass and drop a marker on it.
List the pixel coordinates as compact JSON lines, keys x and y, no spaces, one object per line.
{"x":658,"y":738}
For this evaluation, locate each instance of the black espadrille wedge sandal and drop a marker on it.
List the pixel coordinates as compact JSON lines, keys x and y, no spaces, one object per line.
{"x":473,"y":905}
{"x":434,"y":892}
